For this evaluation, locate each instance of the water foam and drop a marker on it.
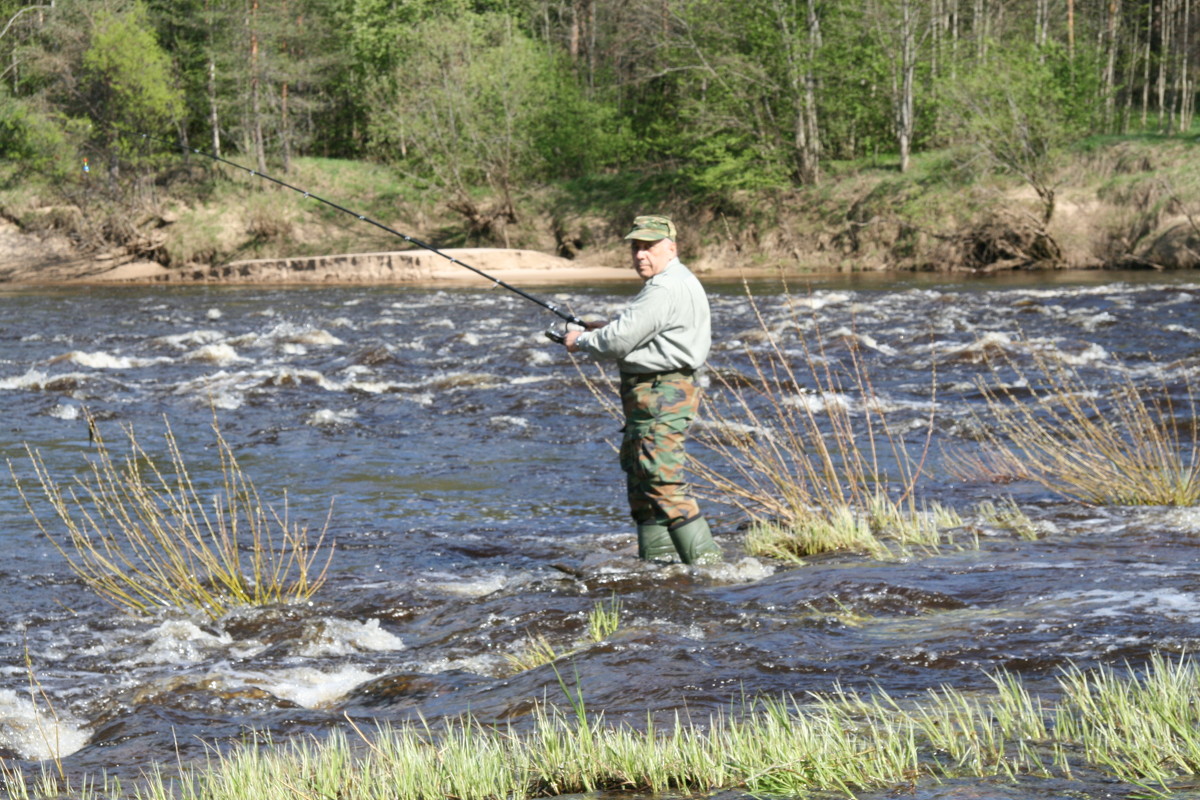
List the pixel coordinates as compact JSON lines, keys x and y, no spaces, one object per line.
{"x":339,"y":637}
{"x":102,"y":360}
{"x":1163,"y":603}
{"x":332,"y":418}
{"x":820,"y":402}
{"x":36,"y":380}
{"x":503,"y":422}
{"x":67,"y":413}
{"x":182,"y":341}
{"x":179,"y":642}
{"x":309,"y":687}
{"x":38,"y":733}
{"x":220,"y":354}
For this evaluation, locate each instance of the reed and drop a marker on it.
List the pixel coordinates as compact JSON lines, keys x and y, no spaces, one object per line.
{"x":144,"y":537}
{"x":1139,"y":730}
{"x":1116,"y":444}
{"x":805,"y":451}
{"x":535,"y":652}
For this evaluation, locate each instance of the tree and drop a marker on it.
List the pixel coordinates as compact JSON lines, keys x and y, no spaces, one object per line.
{"x":902,"y":28}
{"x":475,"y":102}
{"x":1020,"y":108}
{"x":126,"y":83}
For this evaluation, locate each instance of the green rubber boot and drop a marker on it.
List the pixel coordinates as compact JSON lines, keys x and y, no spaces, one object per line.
{"x":654,"y":543}
{"x":693,"y":540}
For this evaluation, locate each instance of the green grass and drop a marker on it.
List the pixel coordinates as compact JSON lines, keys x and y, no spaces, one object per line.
{"x":1006,"y":515}
{"x":1108,"y":725}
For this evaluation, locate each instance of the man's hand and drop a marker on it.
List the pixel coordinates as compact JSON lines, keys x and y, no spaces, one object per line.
{"x":569,"y":341}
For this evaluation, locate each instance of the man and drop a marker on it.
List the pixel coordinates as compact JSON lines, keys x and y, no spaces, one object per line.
{"x":658,"y":342}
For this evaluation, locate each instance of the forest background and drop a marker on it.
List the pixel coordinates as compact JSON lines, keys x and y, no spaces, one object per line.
{"x":856,"y":134}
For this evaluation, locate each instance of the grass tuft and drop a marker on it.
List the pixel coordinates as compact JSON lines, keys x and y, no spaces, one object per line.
{"x":143,"y":537}
{"x":1006,"y":515}
{"x":602,"y":622}
{"x":808,"y":454}
{"x":1122,"y":444}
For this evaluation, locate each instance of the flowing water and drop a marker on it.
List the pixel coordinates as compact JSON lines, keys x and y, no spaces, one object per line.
{"x":477,"y":501}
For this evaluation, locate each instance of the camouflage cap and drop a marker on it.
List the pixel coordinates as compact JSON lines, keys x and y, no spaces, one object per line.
{"x":652,"y":228}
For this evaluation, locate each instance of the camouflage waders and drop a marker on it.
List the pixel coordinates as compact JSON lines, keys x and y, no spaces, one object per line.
{"x":658,"y":410}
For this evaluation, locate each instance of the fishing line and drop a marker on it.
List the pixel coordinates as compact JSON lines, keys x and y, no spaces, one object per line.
{"x":563,"y":314}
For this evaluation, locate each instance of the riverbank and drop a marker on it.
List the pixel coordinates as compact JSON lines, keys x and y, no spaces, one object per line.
{"x":26,"y":261}
{"x":1120,"y":204}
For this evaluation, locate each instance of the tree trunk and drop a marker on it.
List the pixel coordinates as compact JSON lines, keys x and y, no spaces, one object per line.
{"x":213,"y":119}
{"x":285,"y":122}
{"x":1187,"y":91}
{"x":1146,"y":65}
{"x":1109,"y":82}
{"x":256,"y":122}
{"x":1071,"y":30}
{"x":908,"y":67}
{"x":979,"y":26}
{"x":1164,"y":58}
{"x":802,"y":83}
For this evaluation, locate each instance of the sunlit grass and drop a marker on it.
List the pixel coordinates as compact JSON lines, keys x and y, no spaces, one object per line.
{"x":1006,"y":515}
{"x":603,"y":620}
{"x":809,"y":456}
{"x":145,"y":537}
{"x":1113,"y":444}
{"x":534,"y":652}
{"x":1141,"y":730}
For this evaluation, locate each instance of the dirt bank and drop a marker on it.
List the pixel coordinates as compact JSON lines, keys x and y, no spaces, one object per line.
{"x":28,"y":260}
{"x":1125,"y":205}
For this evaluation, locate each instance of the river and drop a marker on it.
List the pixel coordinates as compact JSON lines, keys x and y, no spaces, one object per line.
{"x":477,"y":501}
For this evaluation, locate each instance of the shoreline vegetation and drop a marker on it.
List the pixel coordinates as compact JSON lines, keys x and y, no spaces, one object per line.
{"x":1104,"y":725}
{"x":1121,"y":203}
{"x":814,"y":137}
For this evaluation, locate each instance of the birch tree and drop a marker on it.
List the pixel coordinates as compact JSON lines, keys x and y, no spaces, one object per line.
{"x":901,"y":28}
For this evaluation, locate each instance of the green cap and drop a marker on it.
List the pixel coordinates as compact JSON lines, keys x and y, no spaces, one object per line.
{"x":651,"y":229}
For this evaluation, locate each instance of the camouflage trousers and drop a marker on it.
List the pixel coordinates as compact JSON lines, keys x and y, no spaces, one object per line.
{"x":658,"y":410}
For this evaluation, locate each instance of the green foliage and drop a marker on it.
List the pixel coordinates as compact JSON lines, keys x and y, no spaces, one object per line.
{"x":126,"y":75}
{"x":477,"y":103}
{"x":1021,"y":106}
{"x":485,"y":98}
{"x":36,"y":141}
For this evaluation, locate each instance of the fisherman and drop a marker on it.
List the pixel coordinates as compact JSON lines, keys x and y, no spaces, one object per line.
{"x":659,"y":342}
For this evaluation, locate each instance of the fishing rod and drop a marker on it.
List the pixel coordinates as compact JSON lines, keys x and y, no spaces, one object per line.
{"x":563,"y":314}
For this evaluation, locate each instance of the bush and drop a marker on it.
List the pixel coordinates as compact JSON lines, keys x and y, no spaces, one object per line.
{"x":1121,"y":445}
{"x":144,"y":538}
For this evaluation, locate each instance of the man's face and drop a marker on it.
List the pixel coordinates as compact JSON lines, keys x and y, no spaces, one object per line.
{"x":651,"y":258}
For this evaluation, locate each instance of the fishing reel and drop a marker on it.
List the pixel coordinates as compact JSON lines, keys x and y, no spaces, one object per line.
{"x":560,"y":336}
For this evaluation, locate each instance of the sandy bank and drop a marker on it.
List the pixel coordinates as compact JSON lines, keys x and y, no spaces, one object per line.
{"x":23,"y":264}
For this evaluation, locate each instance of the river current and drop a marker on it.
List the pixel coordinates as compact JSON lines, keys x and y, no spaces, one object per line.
{"x":475,"y":501}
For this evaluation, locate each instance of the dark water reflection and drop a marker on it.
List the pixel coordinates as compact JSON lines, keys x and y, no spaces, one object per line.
{"x":477,"y":501}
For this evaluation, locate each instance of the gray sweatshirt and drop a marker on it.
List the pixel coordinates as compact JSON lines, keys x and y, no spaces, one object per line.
{"x":666,"y":327}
